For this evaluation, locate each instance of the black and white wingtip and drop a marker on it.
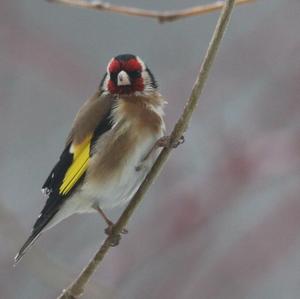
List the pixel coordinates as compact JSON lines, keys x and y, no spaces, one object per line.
{"x":17,"y":258}
{"x":30,"y":241}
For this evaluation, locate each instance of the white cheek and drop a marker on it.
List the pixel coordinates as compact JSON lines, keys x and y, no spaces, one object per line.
{"x":105,"y":83}
{"x":147,"y":80}
{"x":108,"y":65}
{"x":145,"y":76}
{"x":141,"y":62}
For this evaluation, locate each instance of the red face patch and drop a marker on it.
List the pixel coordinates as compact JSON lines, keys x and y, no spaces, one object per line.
{"x":115,"y":66}
{"x":112,"y":87}
{"x":138,"y":84}
{"x":132,"y":65}
{"x":129,"y":66}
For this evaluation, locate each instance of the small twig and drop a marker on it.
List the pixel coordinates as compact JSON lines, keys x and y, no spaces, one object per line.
{"x":77,"y":287}
{"x":161,"y":16}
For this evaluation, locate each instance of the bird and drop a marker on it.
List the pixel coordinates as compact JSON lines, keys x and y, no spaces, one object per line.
{"x":112,"y":145}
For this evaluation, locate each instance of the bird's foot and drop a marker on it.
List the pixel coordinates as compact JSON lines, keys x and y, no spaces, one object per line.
{"x":143,"y":165}
{"x":165,"y":141}
{"x":115,"y":238}
{"x":110,"y":227}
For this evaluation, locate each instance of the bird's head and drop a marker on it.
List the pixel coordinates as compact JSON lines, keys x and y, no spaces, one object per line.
{"x":127,"y":74}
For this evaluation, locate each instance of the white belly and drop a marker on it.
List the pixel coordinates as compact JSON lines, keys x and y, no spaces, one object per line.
{"x":122,"y":187}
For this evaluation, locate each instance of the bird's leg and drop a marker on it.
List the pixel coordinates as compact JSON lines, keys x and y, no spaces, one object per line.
{"x":164,"y":141}
{"x":103,"y":215}
{"x":110,"y":225}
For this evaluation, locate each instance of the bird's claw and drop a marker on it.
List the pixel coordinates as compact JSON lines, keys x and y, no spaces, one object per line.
{"x":165,"y":141}
{"x":178,"y":142}
{"x":115,"y":238}
{"x":143,"y":165}
{"x":139,"y":167}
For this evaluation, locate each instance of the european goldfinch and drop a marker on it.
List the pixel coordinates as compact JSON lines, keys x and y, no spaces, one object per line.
{"x":110,"y":149}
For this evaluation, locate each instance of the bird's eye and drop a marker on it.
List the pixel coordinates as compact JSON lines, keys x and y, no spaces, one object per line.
{"x":113,"y":76}
{"x":134,"y":74}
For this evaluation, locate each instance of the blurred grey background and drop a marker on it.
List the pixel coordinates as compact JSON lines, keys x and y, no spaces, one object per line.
{"x":223,"y":219}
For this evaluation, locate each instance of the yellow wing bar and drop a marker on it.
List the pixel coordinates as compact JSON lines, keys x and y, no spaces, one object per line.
{"x":81,"y":156}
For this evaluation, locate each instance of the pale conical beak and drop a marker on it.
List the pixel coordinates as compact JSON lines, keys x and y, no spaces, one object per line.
{"x":123,"y":79}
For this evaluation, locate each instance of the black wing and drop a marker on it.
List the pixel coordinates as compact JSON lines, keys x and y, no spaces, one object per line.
{"x":52,"y":185}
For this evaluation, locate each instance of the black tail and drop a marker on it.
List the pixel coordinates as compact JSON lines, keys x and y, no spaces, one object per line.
{"x":52,"y":206}
{"x":30,"y":241}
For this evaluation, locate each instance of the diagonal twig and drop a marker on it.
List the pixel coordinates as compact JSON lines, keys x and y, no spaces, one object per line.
{"x":77,"y":287}
{"x":161,"y":16}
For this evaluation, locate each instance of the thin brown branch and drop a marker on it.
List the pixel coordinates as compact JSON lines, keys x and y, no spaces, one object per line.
{"x":77,"y":287}
{"x":161,"y":16}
